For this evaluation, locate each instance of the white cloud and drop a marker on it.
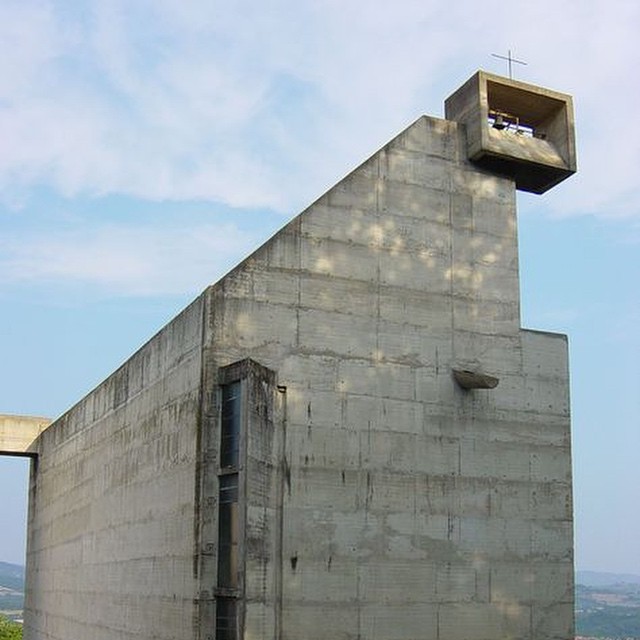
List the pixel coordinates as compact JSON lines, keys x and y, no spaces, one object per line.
{"x":258,"y":104}
{"x":125,"y":260}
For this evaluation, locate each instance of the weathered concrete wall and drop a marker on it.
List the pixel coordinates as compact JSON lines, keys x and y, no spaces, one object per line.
{"x":409,"y":507}
{"x":17,"y":433}
{"x":113,"y":500}
{"x":380,"y":500}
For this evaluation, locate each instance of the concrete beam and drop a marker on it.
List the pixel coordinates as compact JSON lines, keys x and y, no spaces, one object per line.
{"x":17,"y":433}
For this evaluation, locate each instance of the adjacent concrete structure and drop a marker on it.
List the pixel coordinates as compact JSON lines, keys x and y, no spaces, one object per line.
{"x":17,"y":433}
{"x":349,"y":436}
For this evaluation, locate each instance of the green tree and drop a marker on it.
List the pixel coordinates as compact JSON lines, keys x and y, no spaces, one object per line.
{"x":10,"y":630}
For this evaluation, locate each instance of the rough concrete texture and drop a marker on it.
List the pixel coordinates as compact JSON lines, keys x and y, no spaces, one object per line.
{"x":17,"y":433}
{"x":413,"y":508}
{"x":380,"y":500}
{"x":110,"y":549}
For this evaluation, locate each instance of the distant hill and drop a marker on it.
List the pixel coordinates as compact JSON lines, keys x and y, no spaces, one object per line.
{"x":11,"y":590}
{"x":609,"y":606}
{"x":12,"y":576}
{"x":604,"y":579}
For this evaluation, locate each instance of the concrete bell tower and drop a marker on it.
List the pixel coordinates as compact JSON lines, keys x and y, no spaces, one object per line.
{"x":516,"y":129}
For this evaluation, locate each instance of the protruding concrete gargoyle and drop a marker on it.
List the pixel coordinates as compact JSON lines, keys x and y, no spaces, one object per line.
{"x":474,"y":379}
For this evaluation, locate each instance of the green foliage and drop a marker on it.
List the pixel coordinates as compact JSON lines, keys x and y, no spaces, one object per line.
{"x":10,"y":630}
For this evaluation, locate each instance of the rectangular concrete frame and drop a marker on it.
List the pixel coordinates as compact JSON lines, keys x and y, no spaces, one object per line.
{"x":381,"y":500}
{"x":536,"y":162}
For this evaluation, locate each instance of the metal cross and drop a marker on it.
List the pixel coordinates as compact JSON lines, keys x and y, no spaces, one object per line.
{"x":510,"y":59}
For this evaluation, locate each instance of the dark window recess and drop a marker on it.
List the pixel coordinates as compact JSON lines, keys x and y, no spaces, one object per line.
{"x":228,"y":532}
{"x":226,"y":618}
{"x":230,"y":428}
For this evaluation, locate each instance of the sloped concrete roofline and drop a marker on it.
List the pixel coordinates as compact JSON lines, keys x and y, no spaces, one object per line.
{"x":309,"y":208}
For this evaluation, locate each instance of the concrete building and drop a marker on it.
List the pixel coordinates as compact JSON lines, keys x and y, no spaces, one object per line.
{"x":347,"y":437}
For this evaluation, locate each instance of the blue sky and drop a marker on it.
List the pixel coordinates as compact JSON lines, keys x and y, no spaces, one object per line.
{"x":148,"y":146}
